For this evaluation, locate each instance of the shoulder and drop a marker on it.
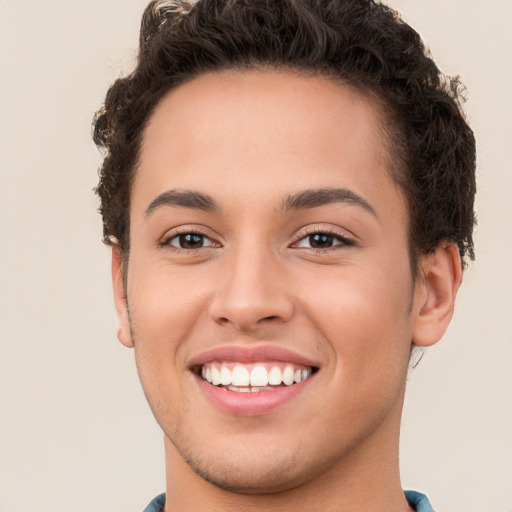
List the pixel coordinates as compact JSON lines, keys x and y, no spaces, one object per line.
{"x":418,"y":501}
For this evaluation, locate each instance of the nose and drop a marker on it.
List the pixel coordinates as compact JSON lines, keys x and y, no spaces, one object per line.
{"x":253,"y":291}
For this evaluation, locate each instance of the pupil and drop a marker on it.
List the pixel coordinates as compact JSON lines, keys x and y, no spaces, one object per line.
{"x":321,"y":240}
{"x":191,"y":241}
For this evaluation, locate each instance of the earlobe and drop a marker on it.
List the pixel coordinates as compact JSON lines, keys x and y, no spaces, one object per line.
{"x":124,"y":332}
{"x":435,"y":292}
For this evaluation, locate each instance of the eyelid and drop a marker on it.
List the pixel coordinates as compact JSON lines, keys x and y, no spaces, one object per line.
{"x":346,"y":239}
{"x":185,"y":230}
{"x":340,"y":234}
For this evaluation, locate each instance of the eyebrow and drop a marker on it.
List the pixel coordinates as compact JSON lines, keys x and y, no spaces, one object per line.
{"x":303,"y":200}
{"x":324,"y":196}
{"x":183,"y":198}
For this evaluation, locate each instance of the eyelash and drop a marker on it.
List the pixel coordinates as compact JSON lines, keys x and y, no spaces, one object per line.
{"x":166,"y":241}
{"x":343,"y":240}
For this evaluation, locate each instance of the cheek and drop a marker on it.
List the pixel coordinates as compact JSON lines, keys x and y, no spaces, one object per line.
{"x":365,"y":317}
{"x":165,"y":309}
{"x":164,"y":303}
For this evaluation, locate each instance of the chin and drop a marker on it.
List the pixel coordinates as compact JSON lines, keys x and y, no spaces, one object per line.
{"x":249,"y":473}
{"x":259,"y":481}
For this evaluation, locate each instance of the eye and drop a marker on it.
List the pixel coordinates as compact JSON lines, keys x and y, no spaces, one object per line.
{"x":189,"y":241}
{"x":322,"y":241}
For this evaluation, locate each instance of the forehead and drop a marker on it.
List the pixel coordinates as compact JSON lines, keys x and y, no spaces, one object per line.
{"x":234,"y":132}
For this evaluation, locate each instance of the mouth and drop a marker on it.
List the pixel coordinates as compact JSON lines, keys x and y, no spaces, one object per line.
{"x":241,"y":377}
{"x":253,"y":380}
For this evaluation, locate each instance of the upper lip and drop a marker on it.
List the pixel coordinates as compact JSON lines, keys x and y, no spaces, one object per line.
{"x":254,"y":354}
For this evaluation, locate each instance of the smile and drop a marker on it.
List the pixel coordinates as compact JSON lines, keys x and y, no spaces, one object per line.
{"x":253,"y":380}
{"x":254,"y":377}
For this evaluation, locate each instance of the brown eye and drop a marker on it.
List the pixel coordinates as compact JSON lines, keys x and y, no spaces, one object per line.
{"x":190,"y":241}
{"x":321,"y":240}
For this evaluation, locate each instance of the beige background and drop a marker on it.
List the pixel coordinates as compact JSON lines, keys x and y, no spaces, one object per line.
{"x":75,"y":431}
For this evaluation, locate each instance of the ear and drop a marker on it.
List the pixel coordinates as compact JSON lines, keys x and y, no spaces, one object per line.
{"x":439,"y":278}
{"x":124,"y":334}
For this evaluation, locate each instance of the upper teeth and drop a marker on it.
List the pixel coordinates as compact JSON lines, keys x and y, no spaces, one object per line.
{"x":254,"y":375}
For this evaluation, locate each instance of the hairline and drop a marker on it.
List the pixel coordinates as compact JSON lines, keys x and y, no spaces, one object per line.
{"x":387,"y":119}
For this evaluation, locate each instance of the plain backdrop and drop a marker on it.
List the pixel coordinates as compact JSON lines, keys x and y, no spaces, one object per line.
{"x":75,"y":430}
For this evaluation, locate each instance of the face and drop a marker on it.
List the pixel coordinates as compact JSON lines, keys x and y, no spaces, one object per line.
{"x":270,"y":297}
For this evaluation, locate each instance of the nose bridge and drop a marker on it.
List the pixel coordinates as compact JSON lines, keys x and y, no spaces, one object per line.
{"x":253,"y":288}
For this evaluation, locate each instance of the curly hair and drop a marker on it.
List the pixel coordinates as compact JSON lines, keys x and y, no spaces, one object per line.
{"x":358,"y":42}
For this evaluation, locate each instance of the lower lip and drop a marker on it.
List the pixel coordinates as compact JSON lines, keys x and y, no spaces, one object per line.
{"x":251,"y":403}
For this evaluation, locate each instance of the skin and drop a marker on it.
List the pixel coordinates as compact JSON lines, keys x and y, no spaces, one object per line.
{"x":249,"y":141}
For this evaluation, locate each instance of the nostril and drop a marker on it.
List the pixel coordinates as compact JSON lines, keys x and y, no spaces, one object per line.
{"x":250,"y":312}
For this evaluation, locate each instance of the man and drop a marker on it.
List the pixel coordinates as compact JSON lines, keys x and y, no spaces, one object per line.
{"x":288,"y":192}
